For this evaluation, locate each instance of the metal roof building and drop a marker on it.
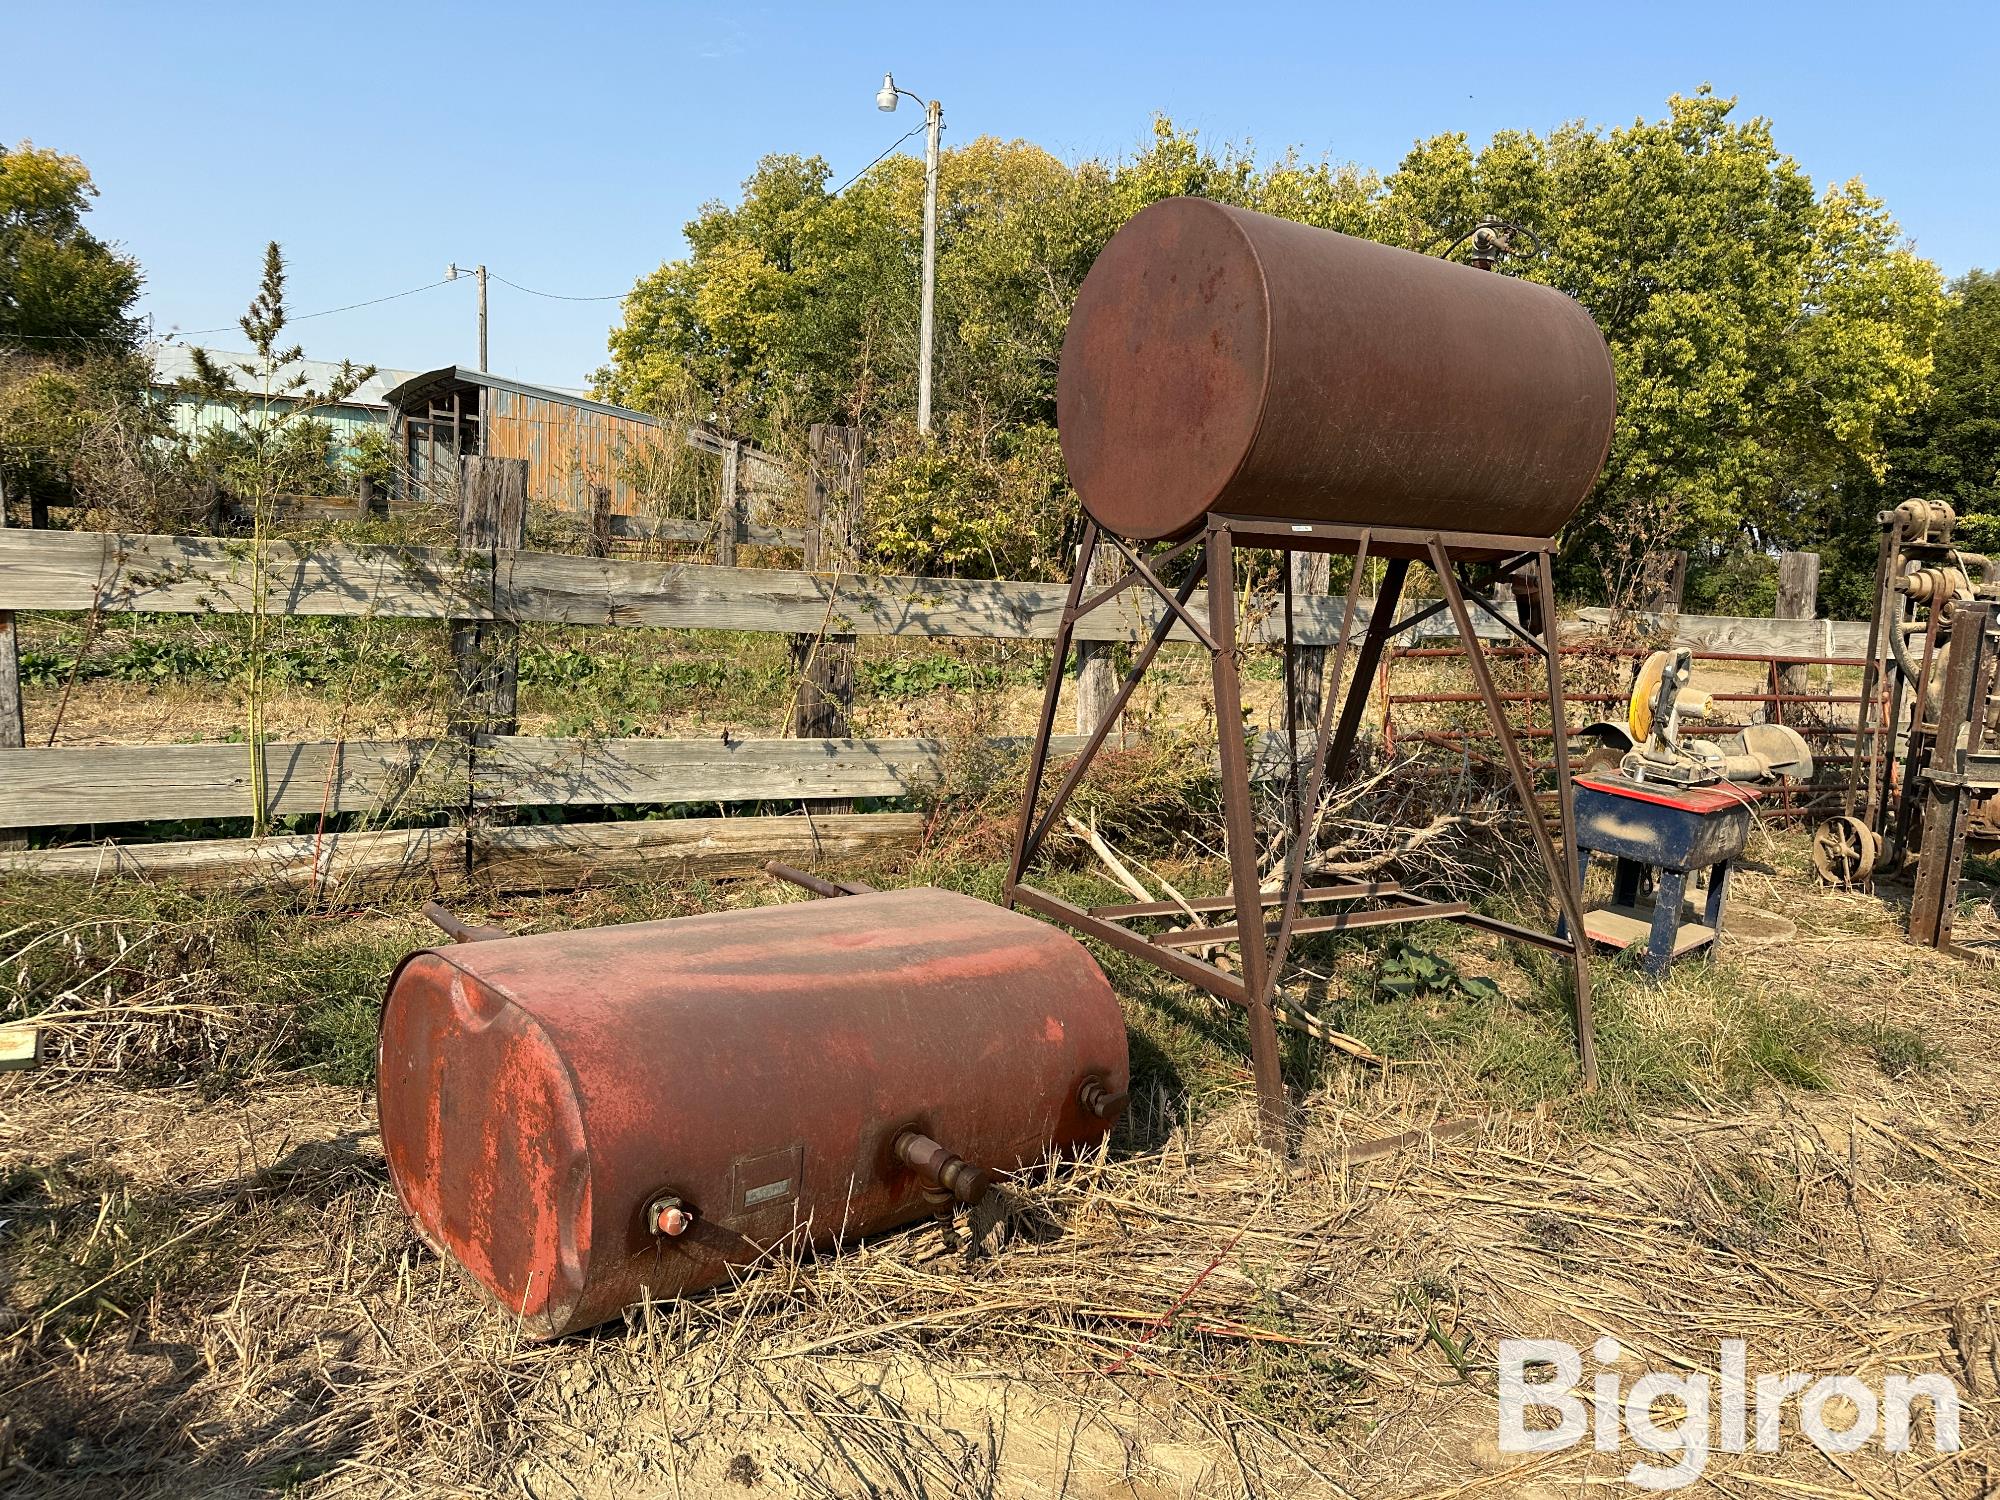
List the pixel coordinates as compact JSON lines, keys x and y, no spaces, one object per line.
{"x":572,"y":443}
{"x":366,"y":407}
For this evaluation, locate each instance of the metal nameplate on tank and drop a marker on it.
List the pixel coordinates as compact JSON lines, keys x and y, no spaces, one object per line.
{"x":771,"y":1177}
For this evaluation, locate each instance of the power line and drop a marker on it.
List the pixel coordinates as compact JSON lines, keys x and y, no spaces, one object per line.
{"x":324,"y":313}
{"x":892,"y":146}
{"x":330,"y":311}
{"x":555,"y":296}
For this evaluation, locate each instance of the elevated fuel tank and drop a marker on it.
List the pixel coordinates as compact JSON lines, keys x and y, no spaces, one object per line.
{"x":1219,"y":360}
{"x":582,"y":1119}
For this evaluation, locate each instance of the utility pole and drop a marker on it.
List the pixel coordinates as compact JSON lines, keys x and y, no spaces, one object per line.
{"x":885,"y":100}
{"x":927,"y":319}
{"x":451,"y":273}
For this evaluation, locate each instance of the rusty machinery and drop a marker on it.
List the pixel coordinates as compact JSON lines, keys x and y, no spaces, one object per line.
{"x":1927,"y":709}
{"x":586,"y":1119}
{"x":1231,"y":380}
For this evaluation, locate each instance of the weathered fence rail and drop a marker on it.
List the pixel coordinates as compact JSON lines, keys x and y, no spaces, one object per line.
{"x":141,"y":783}
{"x":65,"y":570}
{"x":525,"y":858}
{"x":82,"y":571}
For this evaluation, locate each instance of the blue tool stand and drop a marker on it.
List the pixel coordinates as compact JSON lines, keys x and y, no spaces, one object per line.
{"x":1671,"y":832}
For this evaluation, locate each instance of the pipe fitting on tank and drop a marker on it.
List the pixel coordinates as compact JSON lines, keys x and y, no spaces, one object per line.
{"x":939,"y":1168}
{"x":1096,"y":1097}
{"x":668,"y":1217}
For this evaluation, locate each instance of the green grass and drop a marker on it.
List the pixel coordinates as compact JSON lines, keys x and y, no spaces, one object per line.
{"x":591,"y":682}
{"x":293,"y":989}
{"x":1901,"y":1050}
{"x":76,"y":1230}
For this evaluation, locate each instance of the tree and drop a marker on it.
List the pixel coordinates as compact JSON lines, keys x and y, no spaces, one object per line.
{"x":277,"y":444}
{"x":1767,"y":338}
{"x":276,"y":434}
{"x":75,"y":425}
{"x":62,"y":290}
{"x":1950,"y":448}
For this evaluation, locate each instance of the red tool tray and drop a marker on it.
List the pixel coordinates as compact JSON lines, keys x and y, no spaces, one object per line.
{"x":1696,"y":799}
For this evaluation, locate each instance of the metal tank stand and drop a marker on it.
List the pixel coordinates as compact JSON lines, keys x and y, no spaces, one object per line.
{"x":1172,"y":571}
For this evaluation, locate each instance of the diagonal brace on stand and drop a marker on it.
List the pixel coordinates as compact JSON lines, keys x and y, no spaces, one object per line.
{"x":1264,"y":941}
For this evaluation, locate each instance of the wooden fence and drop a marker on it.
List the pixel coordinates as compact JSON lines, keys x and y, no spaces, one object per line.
{"x":79,"y":571}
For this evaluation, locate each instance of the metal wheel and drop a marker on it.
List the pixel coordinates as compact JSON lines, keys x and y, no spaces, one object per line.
{"x":1845,"y":851}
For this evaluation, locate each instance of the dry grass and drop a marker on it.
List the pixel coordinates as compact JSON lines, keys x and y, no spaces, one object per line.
{"x":220,"y":1295}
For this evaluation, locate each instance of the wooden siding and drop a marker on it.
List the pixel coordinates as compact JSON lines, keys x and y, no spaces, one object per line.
{"x":572,"y":448}
{"x":569,"y":449}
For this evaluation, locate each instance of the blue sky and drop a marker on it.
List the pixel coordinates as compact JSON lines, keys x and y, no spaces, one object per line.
{"x":565,"y":145}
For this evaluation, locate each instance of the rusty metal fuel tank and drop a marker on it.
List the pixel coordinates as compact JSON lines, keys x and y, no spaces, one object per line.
{"x":1219,"y":360}
{"x":583,"y":1119}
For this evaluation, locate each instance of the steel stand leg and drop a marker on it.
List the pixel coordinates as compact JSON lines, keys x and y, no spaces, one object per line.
{"x":1559,"y":861}
{"x":1240,"y":827}
{"x":1038,"y":759}
{"x":1569,"y":894}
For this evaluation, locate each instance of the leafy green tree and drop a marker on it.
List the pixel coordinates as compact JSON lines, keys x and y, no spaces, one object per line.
{"x":75,"y":424}
{"x":1764,"y":336}
{"x":63,"y":291}
{"x":84,"y":432}
{"x":1947,"y":448}
{"x":1767,"y":337}
{"x":1950,"y":448}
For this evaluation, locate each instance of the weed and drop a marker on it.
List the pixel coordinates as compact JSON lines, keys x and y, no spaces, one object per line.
{"x":1901,"y":1050}
{"x":1414,"y":973}
{"x":913,"y":674}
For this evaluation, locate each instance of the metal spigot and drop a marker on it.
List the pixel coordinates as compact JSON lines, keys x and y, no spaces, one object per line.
{"x":1096,"y":1097}
{"x":940,"y":1169}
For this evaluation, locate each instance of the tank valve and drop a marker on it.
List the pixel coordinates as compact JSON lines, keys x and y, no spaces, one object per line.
{"x":1096,"y":1097}
{"x":940,"y":1169}
{"x":669,"y":1216}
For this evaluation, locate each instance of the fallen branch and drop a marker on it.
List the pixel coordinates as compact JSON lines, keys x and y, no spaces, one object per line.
{"x":1436,"y":828}
{"x":1112,"y":862}
{"x":1289,"y":1013}
{"x":1124,"y":876}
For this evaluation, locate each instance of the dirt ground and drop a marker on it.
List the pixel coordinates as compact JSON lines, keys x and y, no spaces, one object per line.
{"x":1180,"y":1316}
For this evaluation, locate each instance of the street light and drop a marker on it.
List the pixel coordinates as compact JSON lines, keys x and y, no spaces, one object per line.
{"x":885,"y":100}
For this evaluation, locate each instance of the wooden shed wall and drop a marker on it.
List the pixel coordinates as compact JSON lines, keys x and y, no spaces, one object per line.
{"x":569,"y":449}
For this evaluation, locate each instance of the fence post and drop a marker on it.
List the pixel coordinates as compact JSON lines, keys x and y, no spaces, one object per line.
{"x":600,"y":521}
{"x":1663,"y":581}
{"x":492,"y":522}
{"x":824,"y":664}
{"x":729,"y":504}
{"x":1312,"y":578}
{"x":1798,"y":599}
{"x":13,"y":725}
{"x":1095,"y":686}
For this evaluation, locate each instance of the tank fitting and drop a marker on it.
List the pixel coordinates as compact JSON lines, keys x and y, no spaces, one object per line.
{"x":457,"y":928}
{"x":669,"y":1217}
{"x":939,"y":1169}
{"x":1096,"y":1097}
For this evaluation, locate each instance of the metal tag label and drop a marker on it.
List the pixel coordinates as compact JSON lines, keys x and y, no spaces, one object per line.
{"x":768,"y":1177}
